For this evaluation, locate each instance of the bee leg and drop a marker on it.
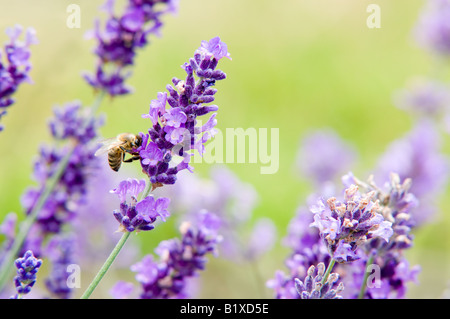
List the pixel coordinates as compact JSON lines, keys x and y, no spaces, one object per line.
{"x":131,"y":159}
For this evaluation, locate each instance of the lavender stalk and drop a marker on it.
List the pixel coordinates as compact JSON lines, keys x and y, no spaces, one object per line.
{"x":41,"y":201}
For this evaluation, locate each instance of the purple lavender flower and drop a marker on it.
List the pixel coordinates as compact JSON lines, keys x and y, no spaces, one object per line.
{"x":17,"y":66}
{"x":8,"y":229}
{"x":308,"y":249}
{"x":346,"y":225}
{"x":418,"y":156}
{"x":397,"y":204}
{"x":122,"y":35}
{"x":179,"y":260}
{"x":175,"y":131}
{"x":69,"y":122}
{"x":433,"y":28}
{"x":395,"y":275}
{"x":233,"y":201}
{"x":60,"y":251}
{"x":424,"y":97}
{"x":312,"y":288}
{"x":283,"y":286}
{"x":70,"y":191}
{"x":138,"y":215}
{"x":323,"y":156}
{"x":27,"y":267}
{"x":121,"y":290}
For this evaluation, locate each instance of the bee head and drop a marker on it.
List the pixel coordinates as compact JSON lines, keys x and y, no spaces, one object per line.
{"x":138,"y":141}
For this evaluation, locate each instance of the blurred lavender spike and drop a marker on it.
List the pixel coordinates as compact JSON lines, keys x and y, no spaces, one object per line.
{"x":16,"y":67}
{"x":118,"y":42}
{"x":323,"y":156}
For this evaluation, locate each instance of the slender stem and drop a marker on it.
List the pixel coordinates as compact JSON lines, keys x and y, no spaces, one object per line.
{"x":5,"y":269}
{"x":101,"y":273}
{"x":26,"y":225}
{"x":328,"y":271}
{"x":147,"y":190}
{"x":362,"y":291}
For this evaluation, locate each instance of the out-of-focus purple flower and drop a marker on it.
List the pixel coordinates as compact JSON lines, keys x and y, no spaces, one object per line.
{"x":312,"y":288}
{"x":16,"y":66}
{"x":233,"y":201}
{"x":176,"y":131}
{"x":283,"y":286}
{"x":70,"y":191}
{"x":60,"y":252}
{"x":122,"y":290}
{"x":324,"y":156}
{"x":433,"y":27}
{"x":178,"y":260}
{"x":120,"y":38}
{"x":138,"y":215}
{"x":307,"y":249}
{"x":346,"y":225}
{"x":27,"y":267}
{"x":262,"y":238}
{"x":70,"y":122}
{"x":418,"y":156}
{"x":395,"y":274}
{"x":8,"y":229}
{"x":424,"y":97}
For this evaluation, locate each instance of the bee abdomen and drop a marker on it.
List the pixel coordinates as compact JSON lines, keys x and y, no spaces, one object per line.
{"x":115,"y":160}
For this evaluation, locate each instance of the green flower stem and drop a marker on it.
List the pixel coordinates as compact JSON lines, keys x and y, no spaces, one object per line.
{"x":6,"y":269}
{"x":25,"y":226}
{"x":101,"y":273}
{"x":362,"y":291}
{"x":328,"y":271}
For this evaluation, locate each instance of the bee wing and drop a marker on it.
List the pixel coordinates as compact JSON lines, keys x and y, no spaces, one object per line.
{"x":107,"y":144}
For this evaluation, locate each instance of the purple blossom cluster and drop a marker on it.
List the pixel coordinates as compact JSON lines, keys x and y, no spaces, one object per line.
{"x":179,"y":260}
{"x":122,"y":35}
{"x":245,"y":236}
{"x":397,"y":204}
{"x":80,"y":130}
{"x":61,"y":254}
{"x":348,"y":224}
{"x":367,"y":224}
{"x":375,"y":227}
{"x":313,"y":288}
{"x":307,"y":249}
{"x":138,"y":215}
{"x":176,"y":131}
{"x":321,"y":169}
{"x":433,"y":30}
{"x":27,"y":268}
{"x":417,"y":155}
{"x":16,"y":66}
{"x":424,"y":97}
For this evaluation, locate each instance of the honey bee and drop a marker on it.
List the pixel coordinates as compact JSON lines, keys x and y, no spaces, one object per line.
{"x":117,"y":147}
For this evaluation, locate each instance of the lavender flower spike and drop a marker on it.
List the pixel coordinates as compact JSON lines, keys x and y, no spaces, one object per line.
{"x":176,"y":131}
{"x":312,"y":288}
{"x":433,"y":28}
{"x":348,"y":224}
{"x":27,"y":267}
{"x":179,"y":259}
{"x":17,"y":67}
{"x":122,"y":35}
{"x":138,"y":215}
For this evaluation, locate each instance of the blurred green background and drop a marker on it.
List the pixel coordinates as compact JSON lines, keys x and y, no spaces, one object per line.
{"x":297,"y":65}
